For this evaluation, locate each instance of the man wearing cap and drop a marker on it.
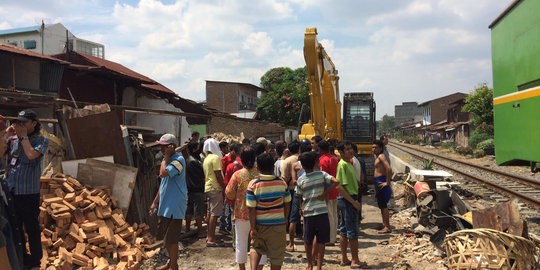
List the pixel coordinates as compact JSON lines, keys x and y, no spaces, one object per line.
{"x":24,"y":150}
{"x":171,"y":198}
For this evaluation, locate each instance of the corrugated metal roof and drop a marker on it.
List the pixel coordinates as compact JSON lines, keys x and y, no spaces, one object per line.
{"x":20,"y":30}
{"x":83,"y":59}
{"x":7,"y":48}
{"x":158,"y":87}
{"x":245,"y":84}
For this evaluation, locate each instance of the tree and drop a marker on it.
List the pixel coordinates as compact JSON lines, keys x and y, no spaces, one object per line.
{"x":479,"y":104}
{"x":386,"y":125}
{"x":287,"y":91}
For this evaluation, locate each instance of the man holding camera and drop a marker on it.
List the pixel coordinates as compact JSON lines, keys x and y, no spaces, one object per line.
{"x":24,"y":150}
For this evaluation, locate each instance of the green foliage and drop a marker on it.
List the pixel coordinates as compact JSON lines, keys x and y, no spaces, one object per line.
{"x":478,"y":136}
{"x":488,"y":146}
{"x":479,"y":104}
{"x":412,"y":140}
{"x":427,"y":164}
{"x":386,"y":125}
{"x":448,"y":145}
{"x":467,"y":150}
{"x":478,"y":153}
{"x":287,"y":91}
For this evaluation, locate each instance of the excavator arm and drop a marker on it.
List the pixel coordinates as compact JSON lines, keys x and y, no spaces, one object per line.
{"x":323,"y":91}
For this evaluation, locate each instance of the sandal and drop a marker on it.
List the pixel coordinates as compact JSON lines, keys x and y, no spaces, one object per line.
{"x":345,"y":264}
{"x":216,"y":244}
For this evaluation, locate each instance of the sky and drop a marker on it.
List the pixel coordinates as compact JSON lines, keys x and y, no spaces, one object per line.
{"x":402,"y":50}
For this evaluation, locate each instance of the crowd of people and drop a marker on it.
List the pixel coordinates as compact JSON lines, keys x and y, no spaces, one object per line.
{"x":259,"y":192}
{"x":263,"y":191}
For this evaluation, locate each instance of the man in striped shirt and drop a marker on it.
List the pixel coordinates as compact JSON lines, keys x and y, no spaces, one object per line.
{"x":268,"y":201}
{"x":313,"y":189}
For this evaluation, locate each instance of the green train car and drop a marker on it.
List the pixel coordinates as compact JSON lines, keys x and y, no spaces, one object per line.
{"x":515,"y":48}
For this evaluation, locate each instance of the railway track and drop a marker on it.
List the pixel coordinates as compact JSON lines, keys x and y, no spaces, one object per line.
{"x":524,"y":189}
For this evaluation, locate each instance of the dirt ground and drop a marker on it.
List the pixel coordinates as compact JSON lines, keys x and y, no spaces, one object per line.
{"x":379,"y":251}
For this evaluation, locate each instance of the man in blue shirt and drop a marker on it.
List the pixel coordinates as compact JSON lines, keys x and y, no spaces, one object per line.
{"x":25,"y":148}
{"x":171,"y":199}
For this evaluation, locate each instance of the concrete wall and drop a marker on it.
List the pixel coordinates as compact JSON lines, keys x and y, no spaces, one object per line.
{"x":176,"y":125}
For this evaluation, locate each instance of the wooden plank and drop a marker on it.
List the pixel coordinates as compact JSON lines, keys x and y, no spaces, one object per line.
{"x":70,"y":167}
{"x":97,"y":135}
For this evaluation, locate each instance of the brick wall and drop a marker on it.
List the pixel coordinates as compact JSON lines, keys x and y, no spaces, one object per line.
{"x":222,"y":96}
{"x":252,"y":128}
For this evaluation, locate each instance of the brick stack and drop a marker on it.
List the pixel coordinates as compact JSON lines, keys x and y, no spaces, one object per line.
{"x":82,"y":227}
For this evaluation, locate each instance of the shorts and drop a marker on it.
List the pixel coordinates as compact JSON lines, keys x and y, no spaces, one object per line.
{"x":382,"y":195}
{"x":294,"y":216}
{"x":271,"y":242}
{"x":169,"y":230}
{"x":348,"y":215}
{"x":319,"y":226}
{"x":195,"y":204}
{"x":215,"y":203}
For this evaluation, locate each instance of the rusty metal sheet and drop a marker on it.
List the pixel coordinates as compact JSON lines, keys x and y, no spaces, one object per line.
{"x":97,"y":135}
{"x":503,"y":217}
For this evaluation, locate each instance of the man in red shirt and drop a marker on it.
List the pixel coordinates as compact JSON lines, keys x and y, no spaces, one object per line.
{"x":234,"y":164}
{"x":328,"y":163}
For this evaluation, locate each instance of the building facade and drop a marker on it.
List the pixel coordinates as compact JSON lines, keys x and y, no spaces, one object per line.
{"x":407,"y":112}
{"x":436,"y":110}
{"x":50,"y":39}
{"x":232,"y":97}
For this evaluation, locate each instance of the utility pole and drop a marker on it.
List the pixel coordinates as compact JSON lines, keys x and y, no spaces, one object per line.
{"x":42,"y":37}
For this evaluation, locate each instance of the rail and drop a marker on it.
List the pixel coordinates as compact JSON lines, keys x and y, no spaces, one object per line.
{"x":501,"y":187}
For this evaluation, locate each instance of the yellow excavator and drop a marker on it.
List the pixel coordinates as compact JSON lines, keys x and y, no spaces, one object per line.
{"x":358,"y":124}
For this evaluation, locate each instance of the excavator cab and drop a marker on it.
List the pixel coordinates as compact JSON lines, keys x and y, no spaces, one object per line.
{"x":359,"y":120}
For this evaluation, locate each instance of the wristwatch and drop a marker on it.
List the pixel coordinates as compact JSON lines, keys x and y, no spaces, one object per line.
{"x":24,"y":137}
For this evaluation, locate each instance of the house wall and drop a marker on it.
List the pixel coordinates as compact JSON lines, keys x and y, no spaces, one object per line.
{"x":87,"y":88}
{"x":222,"y":96}
{"x":54,"y":39}
{"x":251,"y":128}
{"x":407,"y":112}
{"x":462,"y":135}
{"x":227,"y":97}
{"x":175,"y":125}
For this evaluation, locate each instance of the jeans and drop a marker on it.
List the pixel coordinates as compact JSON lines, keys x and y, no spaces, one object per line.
{"x":225,"y":222}
{"x":348,"y":219}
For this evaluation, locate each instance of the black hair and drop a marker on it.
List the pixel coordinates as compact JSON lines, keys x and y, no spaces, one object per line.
{"x":259,"y":148}
{"x":192,"y":146}
{"x":305,"y":147}
{"x":354,"y":148}
{"x":246,"y":141}
{"x":341,"y":145}
{"x":294,"y":146}
{"x":379,"y":143}
{"x":308,"y":159}
{"x":247,"y":156}
{"x":323,"y":146}
{"x":195,"y":133}
{"x":280,"y":147}
{"x":316,"y":138}
{"x":382,"y":137}
{"x":223,"y":145}
{"x":37,"y":128}
{"x":265,"y":162}
{"x":236,"y":147}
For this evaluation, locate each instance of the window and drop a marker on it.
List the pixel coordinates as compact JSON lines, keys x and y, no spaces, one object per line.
{"x":29,"y":44}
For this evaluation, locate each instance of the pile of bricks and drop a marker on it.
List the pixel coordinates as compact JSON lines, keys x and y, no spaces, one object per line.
{"x":83,"y":228}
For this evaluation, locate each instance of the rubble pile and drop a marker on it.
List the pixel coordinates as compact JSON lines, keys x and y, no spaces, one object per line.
{"x":412,"y":246}
{"x":82,"y":227}
{"x":222,"y":137}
